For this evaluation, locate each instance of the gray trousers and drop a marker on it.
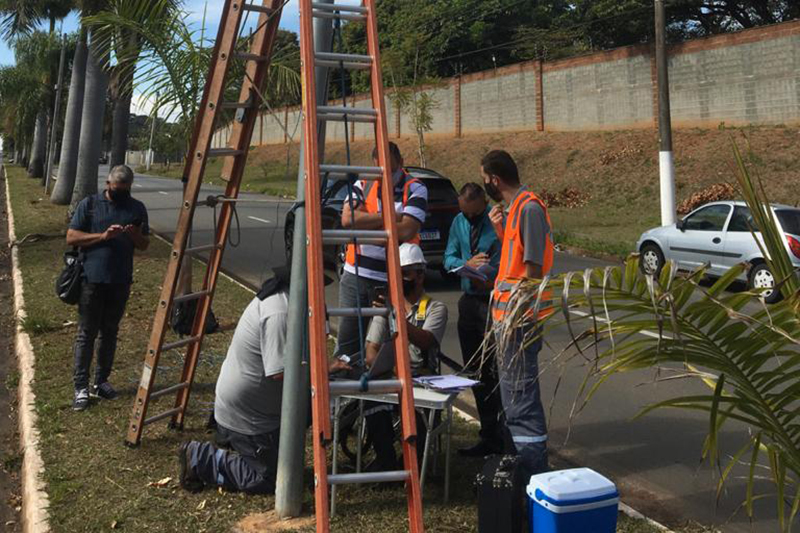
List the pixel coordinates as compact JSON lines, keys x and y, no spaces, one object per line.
{"x":353,"y":291}
{"x":518,"y":372}
{"x":246,"y":463}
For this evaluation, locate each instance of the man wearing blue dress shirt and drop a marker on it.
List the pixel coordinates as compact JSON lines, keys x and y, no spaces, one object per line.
{"x":473,"y":243}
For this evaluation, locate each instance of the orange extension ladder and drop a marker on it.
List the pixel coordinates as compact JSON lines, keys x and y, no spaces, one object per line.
{"x":227,"y":50}
{"x":321,"y":387}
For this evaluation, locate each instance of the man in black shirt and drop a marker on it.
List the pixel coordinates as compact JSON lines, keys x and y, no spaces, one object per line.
{"x":108,"y":226}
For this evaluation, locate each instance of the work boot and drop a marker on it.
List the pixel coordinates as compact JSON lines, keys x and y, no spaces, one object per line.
{"x":104,"y":391}
{"x":186,"y":475}
{"x":81,"y":400}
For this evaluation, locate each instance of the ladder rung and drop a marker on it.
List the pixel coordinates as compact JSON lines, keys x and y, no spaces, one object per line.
{"x":190,"y":296}
{"x":247,"y":56}
{"x":378,"y":386}
{"x":258,"y":8}
{"x":203,"y":248}
{"x":344,"y":8}
{"x":345,"y":236}
{"x":171,"y":388}
{"x":351,"y":61}
{"x":178,"y":344}
{"x":352,"y":114}
{"x":238,"y":105}
{"x":161,"y":416}
{"x":366,"y":312}
{"x":343,"y":172}
{"x":340,"y":11}
{"x":224,"y":152}
{"x":368,"y":477}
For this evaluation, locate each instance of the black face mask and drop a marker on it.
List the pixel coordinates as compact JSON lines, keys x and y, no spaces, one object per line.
{"x":118,"y":195}
{"x":475,"y":220}
{"x":408,"y":286}
{"x":493,"y":191}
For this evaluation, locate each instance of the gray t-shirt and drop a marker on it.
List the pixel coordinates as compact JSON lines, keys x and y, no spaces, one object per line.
{"x":248,"y":399}
{"x":534,"y":231}
{"x":435,"y":321}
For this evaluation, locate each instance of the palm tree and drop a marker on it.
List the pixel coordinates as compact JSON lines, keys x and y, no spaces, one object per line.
{"x":749,"y":360}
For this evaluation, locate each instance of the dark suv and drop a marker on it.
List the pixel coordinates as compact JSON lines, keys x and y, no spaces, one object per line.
{"x":442,"y":209}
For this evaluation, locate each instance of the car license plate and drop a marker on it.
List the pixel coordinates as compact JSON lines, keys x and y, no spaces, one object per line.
{"x":431,"y":235}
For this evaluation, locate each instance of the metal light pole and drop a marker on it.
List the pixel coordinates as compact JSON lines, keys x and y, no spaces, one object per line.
{"x":56,"y":112}
{"x":665,"y":160}
{"x":294,"y":410}
{"x":150,"y":148}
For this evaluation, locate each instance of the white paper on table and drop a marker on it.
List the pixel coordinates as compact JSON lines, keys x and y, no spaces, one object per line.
{"x":446,"y":382}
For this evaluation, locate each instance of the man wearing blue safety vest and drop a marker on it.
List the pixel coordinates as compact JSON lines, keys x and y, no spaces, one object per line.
{"x":525,"y":232}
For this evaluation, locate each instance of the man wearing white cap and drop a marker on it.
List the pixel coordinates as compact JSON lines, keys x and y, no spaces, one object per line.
{"x":426,"y":322}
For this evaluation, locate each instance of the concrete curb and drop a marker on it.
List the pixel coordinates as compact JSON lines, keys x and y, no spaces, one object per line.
{"x":625,"y":509}
{"x":35,"y":502}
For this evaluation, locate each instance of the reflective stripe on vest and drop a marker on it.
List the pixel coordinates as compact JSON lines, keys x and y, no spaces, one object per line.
{"x":512,"y":263}
{"x":372,"y":205}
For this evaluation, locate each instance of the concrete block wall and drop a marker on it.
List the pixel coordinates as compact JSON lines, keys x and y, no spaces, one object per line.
{"x":752,"y":76}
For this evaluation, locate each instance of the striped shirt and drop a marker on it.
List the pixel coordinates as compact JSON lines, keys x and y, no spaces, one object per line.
{"x":372,"y":258}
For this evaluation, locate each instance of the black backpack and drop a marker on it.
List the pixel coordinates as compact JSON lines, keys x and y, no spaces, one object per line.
{"x":502,"y":505}
{"x":183,"y":318}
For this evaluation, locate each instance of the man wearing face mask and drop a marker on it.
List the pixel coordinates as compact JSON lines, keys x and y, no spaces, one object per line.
{"x":108,"y":226}
{"x":525,"y":232}
{"x":365,"y":266}
{"x":426,"y":323}
{"x":473,"y":242}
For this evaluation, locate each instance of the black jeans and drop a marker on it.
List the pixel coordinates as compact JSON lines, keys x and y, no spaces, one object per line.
{"x":100,"y":311}
{"x":246,"y":463}
{"x":473,"y":311}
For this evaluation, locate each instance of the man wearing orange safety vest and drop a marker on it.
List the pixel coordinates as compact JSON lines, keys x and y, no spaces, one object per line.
{"x":525,"y":231}
{"x":365,"y":265}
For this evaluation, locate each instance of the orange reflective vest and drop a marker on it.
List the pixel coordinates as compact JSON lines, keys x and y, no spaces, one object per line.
{"x":512,"y":264}
{"x":372,"y":196}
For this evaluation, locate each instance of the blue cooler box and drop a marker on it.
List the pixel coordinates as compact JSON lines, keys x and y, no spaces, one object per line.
{"x":572,"y":501}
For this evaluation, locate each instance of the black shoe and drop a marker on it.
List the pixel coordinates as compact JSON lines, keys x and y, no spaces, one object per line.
{"x":186,"y":475}
{"x":482,"y":449}
{"x":104,"y":391}
{"x":81,"y":400}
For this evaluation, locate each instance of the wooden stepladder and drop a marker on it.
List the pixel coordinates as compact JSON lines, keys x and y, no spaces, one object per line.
{"x":227,"y":49}
{"x":322,"y":388}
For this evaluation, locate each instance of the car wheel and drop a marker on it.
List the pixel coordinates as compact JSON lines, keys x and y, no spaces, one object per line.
{"x":288,"y":240}
{"x":651,"y":259}
{"x":763,"y":281}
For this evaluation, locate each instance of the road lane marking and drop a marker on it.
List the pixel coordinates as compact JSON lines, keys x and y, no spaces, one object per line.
{"x":259,"y":220}
{"x":138,"y":185}
{"x":644,"y":332}
{"x":164,"y":193}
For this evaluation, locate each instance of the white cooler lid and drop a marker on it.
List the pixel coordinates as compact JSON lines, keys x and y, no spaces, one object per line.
{"x":572,"y":484}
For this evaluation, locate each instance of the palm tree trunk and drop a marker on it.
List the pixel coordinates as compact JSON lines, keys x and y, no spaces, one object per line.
{"x":68,"y":164}
{"x":119,"y":129}
{"x":91,"y":139}
{"x":39,"y":149}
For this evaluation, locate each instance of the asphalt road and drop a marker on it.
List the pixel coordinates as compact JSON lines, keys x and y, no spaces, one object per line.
{"x":656,"y":460}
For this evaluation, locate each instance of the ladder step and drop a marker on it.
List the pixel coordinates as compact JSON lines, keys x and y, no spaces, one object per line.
{"x":224,"y":152}
{"x":257,"y":8}
{"x":178,"y":344}
{"x":352,"y":114}
{"x":366,"y":312}
{"x":247,"y":56}
{"x":351,"y":61}
{"x":190,"y":296}
{"x":238,"y":105}
{"x":345,"y":236}
{"x":161,"y":416}
{"x":343,"y":172}
{"x":340,"y":11}
{"x":378,"y":386}
{"x":368,"y":477}
{"x":203,"y":248}
{"x":167,"y":390}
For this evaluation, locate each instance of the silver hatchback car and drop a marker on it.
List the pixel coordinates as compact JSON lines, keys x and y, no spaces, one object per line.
{"x":718,"y":234}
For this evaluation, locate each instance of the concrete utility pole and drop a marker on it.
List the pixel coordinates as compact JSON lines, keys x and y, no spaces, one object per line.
{"x":294,"y":410}
{"x":152,"y":134}
{"x":51,"y":154}
{"x":666,"y":165}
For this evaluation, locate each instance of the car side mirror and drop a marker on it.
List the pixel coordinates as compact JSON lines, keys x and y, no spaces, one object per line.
{"x":680,"y":224}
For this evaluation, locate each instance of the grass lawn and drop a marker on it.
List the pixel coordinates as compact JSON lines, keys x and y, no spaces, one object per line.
{"x":96,"y":483}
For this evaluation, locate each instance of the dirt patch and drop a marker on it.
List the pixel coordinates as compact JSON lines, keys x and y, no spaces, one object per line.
{"x":267,"y":522}
{"x":10,"y":456}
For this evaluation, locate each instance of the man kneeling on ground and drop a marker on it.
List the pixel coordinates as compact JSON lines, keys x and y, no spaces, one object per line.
{"x":247,"y":408}
{"x":426,"y":322}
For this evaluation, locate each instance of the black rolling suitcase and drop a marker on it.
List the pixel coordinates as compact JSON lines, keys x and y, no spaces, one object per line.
{"x":502,"y":506}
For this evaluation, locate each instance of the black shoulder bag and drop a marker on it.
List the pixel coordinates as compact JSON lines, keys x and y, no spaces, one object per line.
{"x":69,"y":281}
